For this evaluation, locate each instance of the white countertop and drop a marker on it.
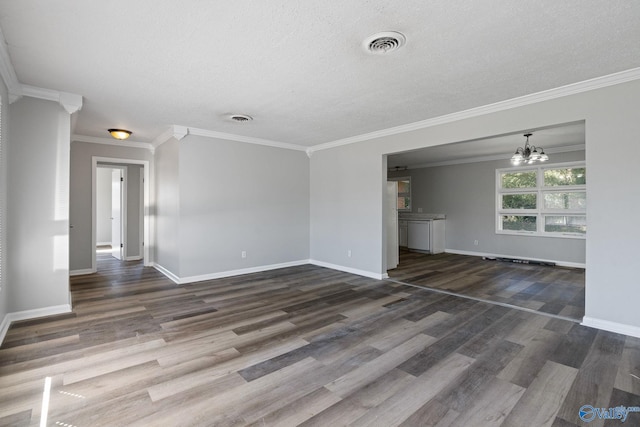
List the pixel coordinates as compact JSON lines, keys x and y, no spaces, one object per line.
{"x":420,"y":216}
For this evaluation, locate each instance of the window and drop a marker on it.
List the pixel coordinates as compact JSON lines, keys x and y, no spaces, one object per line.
{"x":404,"y":192}
{"x":548,"y":200}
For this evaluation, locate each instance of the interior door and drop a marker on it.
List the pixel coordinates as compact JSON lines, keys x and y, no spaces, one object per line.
{"x":393,"y":250}
{"x":116,"y":213}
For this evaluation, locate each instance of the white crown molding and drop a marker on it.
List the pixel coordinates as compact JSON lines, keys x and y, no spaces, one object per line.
{"x":179,"y":132}
{"x":247,"y":139}
{"x":565,"y":149}
{"x":71,"y":102}
{"x":8,"y":73}
{"x":111,"y":141}
{"x":546,"y":95}
{"x":175,"y":131}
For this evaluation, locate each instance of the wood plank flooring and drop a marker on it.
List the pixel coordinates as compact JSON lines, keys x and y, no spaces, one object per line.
{"x":555,"y":290}
{"x":304,"y":346}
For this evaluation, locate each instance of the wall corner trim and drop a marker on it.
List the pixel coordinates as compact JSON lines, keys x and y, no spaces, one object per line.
{"x":8,"y":73}
{"x":620,"y":328}
{"x":110,"y":141}
{"x":30,"y":314}
{"x":71,"y":102}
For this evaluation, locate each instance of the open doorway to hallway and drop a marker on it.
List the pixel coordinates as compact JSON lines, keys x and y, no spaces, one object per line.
{"x":120,"y":212}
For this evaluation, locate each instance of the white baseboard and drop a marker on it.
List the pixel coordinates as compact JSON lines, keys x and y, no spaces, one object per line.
{"x":558,"y":263}
{"x":81,"y":272}
{"x":167,"y":272}
{"x":348,"y":269}
{"x":607,"y":325}
{"x":30,"y":314}
{"x":133,"y":258}
{"x":229,"y":273}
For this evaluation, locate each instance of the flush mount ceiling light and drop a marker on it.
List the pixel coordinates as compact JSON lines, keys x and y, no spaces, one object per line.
{"x":385,"y":42}
{"x":529,"y":154}
{"x":240,"y":118}
{"x":120,"y":134}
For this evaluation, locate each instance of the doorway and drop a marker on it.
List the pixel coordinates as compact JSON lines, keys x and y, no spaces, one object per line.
{"x":120,"y":209}
{"x":111,"y":210}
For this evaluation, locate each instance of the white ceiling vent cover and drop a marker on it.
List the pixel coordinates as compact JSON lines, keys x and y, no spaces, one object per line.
{"x":240,"y":118}
{"x":385,"y":42}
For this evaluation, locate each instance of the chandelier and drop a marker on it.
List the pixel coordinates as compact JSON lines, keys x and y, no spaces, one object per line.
{"x":529,"y":154}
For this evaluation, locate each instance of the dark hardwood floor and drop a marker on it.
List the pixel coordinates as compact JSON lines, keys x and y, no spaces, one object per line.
{"x":304,"y":346}
{"x":554,"y":290}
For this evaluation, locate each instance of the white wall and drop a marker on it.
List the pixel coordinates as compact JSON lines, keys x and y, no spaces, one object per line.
{"x":81,"y":250}
{"x":238,"y":197}
{"x":38,"y":205}
{"x":466,"y":193}
{"x":103,"y":206}
{"x":4,"y":309}
{"x":346,"y":191}
{"x":167,"y":209}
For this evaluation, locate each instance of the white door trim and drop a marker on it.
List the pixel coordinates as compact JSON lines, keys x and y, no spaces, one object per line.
{"x":146,"y":197}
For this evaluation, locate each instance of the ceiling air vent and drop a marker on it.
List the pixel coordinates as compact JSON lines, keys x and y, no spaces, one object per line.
{"x":385,"y":42}
{"x":240,"y":118}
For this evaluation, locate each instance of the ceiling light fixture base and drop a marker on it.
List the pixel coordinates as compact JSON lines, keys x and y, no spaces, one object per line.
{"x":120,"y":134}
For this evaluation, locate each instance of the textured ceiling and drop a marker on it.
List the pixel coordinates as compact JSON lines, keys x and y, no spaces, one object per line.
{"x":298,"y":67}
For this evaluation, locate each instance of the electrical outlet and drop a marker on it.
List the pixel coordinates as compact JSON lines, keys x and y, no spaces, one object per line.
{"x":349,"y":253}
{"x":243,"y":254}
{"x":475,"y":242}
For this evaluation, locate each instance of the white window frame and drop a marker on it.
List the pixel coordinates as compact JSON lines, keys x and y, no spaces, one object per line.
{"x":404,"y":178}
{"x":540,"y":212}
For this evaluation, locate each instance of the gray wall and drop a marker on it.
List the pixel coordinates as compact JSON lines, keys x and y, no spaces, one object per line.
{"x":238,"y":197}
{"x":4,"y":308}
{"x":466,"y":193}
{"x":339,"y":221}
{"x":38,"y":205}
{"x":80,"y":246}
{"x":103,"y":205}
{"x":134,"y":200}
{"x":167,"y":209}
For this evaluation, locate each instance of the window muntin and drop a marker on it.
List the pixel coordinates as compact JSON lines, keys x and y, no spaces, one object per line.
{"x":565,"y":176}
{"x":520,"y":179}
{"x":565,"y":224}
{"x":525,"y":223}
{"x":565,"y":200}
{"x":549,"y":200}
{"x":519,"y":201}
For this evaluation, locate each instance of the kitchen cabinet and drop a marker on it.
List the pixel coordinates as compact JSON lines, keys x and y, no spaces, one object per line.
{"x":426,"y":235}
{"x":419,"y":235}
{"x":403,"y":231}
